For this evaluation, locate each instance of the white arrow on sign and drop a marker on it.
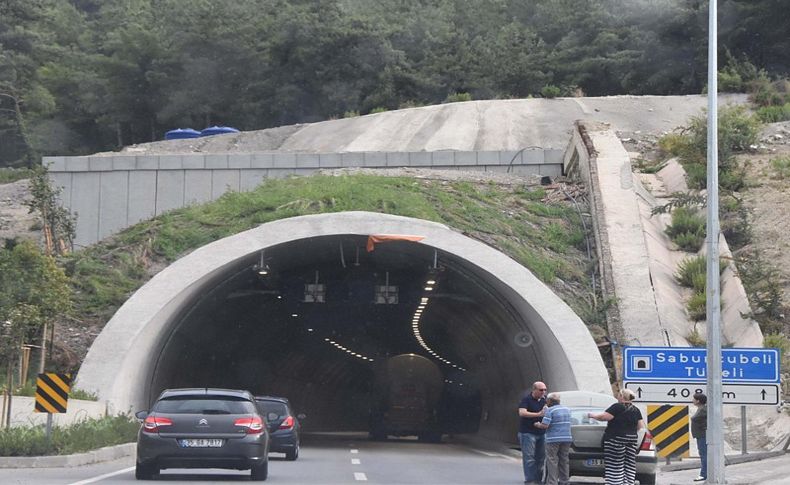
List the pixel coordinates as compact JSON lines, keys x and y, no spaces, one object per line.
{"x":682,"y":392}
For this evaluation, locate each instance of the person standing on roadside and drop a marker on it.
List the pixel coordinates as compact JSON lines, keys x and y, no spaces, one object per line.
{"x":533,"y":446}
{"x":699,"y":428}
{"x":557,"y":423}
{"x":620,"y":439}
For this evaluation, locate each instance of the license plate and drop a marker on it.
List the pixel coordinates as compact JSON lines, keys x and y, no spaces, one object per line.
{"x":594,"y":462}
{"x":200,"y":443}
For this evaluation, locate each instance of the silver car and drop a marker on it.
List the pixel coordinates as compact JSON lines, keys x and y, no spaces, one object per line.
{"x":586,"y":454}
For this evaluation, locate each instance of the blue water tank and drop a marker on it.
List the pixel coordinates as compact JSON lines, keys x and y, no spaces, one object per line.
{"x":218,"y":130}
{"x":181,"y":133}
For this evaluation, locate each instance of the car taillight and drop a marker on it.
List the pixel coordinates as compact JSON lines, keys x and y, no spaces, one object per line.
{"x":647,"y":442}
{"x":287,"y":423}
{"x":252,"y":425}
{"x":153,"y":424}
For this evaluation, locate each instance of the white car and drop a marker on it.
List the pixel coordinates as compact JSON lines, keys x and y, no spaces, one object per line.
{"x":586,"y":454}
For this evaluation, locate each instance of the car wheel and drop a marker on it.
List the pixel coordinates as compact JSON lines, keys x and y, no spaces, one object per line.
{"x":260,"y":472}
{"x":293,"y":454}
{"x":646,"y":479}
{"x":145,"y":471}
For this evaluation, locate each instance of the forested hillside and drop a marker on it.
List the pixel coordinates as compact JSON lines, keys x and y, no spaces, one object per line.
{"x":80,"y":76}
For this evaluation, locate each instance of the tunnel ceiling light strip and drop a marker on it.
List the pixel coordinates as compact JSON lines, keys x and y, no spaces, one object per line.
{"x":415,"y":325}
{"x":348,"y":351}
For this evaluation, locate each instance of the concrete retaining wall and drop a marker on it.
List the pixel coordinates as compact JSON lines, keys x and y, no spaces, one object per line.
{"x":110,"y":193}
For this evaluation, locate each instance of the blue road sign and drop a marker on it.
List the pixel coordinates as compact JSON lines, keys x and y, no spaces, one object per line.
{"x":689,"y":364}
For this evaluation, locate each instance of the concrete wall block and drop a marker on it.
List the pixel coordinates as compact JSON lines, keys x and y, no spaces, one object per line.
{"x":216,"y":161}
{"x":142,"y":196}
{"x":147,"y":162}
{"x":114,"y":202}
{"x":242,"y":160}
{"x":54,"y":164}
{"x":193,"y":162}
{"x":251,"y":179}
{"x":280,"y":173}
{"x":62,"y":181}
{"x":420,"y":159}
{"x":330,"y":160}
{"x":307,"y":160}
{"x":100,"y":164}
{"x":85,"y":202}
{"x":352,"y":159}
{"x":466,"y":158}
{"x":375,"y":159}
{"x":496,"y":168}
{"x":487,"y":158}
{"x":552,"y":170}
{"x":77,"y":164}
{"x":397,"y":159}
{"x":554,"y":156}
{"x":304,"y":172}
{"x":445,"y":157}
{"x":510,"y":157}
{"x":170,"y":162}
{"x":284,"y":160}
{"x":263,"y":160}
{"x":169,"y":190}
{"x":532,"y":156}
{"x":526,"y":170}
{"x":197,"y":186}
{"x":224,"y":181}
{"x":124,"y":162}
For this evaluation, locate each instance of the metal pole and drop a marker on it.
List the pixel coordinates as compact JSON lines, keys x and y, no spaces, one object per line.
{"x":715,"y":433}
{"x":49,"y":430}
{"x":743,"y":431}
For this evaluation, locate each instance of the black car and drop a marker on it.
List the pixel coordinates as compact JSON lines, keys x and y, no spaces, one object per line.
{"x":283,"y":425}
{"x":202,"y":428}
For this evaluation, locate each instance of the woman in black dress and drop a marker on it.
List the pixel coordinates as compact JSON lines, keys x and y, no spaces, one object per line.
{"x":620,"y":446}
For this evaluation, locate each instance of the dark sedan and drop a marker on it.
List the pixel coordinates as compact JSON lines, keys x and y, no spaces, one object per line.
{"x":283,"y":425}
{"x":202,"y":428}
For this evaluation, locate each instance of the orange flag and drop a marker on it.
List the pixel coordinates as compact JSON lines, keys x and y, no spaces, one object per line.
{"x":373,"y":239}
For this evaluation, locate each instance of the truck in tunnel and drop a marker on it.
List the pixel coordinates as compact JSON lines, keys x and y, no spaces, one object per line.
{"x":406,"y":399}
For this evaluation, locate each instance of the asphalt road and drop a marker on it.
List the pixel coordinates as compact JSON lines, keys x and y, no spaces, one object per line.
{"x":348,"y":459}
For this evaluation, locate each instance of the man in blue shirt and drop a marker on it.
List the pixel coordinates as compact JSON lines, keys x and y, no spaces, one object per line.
{"x":557,"y":423}
{"x":533,"y":450}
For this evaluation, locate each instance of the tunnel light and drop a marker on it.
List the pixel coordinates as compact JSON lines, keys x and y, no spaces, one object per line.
{"x":424,"y":300}
{"x":294,"y":315}
{"x":429,"y":288}
{"x":430,"y":282}
{"x":309,"y":329}
{"x":261,"y":267}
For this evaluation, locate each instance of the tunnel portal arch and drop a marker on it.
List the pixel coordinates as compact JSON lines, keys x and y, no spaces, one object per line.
{"x":499,"y":328}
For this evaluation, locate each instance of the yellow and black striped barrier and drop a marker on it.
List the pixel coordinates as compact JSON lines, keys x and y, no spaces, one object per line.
{"x":52,"y":393}
{"x":670,"y":428}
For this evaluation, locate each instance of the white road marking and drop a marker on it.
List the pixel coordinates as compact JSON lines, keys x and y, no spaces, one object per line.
{"x":354,"y":451}
{"x":359,"y":476}
{"x":355,"y":461}
{"x":102,"y":477}
{"x":494,"y":455}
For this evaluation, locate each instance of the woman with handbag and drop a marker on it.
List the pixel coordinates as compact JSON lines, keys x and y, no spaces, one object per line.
{"x":620,"y":446}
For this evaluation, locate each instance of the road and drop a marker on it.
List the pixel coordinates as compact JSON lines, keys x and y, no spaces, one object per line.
{"x":351,"y":459}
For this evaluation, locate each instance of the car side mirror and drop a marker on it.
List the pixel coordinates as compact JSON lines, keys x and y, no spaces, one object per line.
{"x":301,"y":416}
{"x":141,"y":415}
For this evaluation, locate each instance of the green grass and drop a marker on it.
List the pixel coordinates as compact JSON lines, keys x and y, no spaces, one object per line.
{"x":781,"y":167}
{"x":545,"y":238}
{"x":85,"y":435}
{"x":8,"y":175}
{"x":687,"y":229}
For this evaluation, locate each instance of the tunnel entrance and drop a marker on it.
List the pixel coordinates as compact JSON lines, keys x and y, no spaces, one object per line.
{"x":322,"y":322}
{"x":328,"y":316}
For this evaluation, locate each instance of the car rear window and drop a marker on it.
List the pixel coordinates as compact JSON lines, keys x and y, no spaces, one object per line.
{"x":273,"y":407}
{"x":579,"y":416}
{"x":204,"y":405}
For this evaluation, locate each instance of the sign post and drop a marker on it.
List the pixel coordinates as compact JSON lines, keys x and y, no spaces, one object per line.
{"x":52,"y":396}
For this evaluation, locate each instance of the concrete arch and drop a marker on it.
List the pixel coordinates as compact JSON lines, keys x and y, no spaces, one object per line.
{"x":556,"y":346}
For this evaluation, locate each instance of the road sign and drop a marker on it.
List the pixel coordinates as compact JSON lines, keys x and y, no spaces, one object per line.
{"x":681,"y":392}
{"x":670,"y":428}
{"x":52,"y":393}
{"x":688,"y":364}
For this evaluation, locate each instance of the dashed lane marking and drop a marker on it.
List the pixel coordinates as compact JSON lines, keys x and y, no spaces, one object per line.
{"x":361,"y":477}
{"x":355,"y":461}
{"x":354,"y":451}
{"x":102,"y":477}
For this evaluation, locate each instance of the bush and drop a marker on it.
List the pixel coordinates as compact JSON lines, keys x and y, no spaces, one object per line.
{"x":688,"y":271}
{"x":695,"y":339}
{"x":774,"y":114}
{"x":351,"y":114}
{"x":730,"y":82}
{"x":696,"y":307}
{"x":458,"y":97}
{"x":550,"y":91}
{"x":687,"y":229}
{"x":85,"y":435}
{"x":782,"y":167}
{"x":378,"y":109}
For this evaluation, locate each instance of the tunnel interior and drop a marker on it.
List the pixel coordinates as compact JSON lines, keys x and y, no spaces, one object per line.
{"x":321,"y":324}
